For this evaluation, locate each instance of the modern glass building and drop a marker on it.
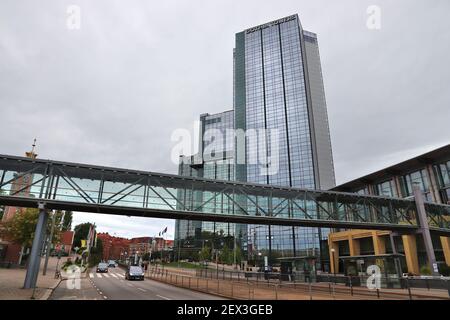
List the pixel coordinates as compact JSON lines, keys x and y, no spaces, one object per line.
{"x":278,"y":87}
{"x":278,"y":93}
{"x":213,"y":161}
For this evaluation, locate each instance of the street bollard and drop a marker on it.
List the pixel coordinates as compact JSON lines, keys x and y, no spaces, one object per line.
{"x":378,"y":293}
{"x":329,"y":287}
{"x":310,"y":291}
{"x":351,"y":286}
{"x":334,"y":290}
{"x":409,"y":289}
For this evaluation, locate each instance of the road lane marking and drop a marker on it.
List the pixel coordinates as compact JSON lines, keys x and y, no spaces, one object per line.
{"x":143,"y":290}
{"x":91,"y":275}
{"x":104,"y":297}
{"x":106,"y":275}
{"x":162,"y":297}
{"x":129,"y":284}
{"x":113,"y":275}
{"x":99,"y":275}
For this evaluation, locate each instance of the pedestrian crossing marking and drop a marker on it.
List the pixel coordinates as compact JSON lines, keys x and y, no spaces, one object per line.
{"x":107,"y":275}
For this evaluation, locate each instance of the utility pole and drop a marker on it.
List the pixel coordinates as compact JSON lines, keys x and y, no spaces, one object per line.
{"x":49,"y":244}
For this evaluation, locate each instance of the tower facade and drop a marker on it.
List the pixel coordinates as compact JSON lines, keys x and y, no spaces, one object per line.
{"x":278,"y":89}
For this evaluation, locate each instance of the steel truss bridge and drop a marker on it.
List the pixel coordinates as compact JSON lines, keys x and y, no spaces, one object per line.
{"x":26,"y":182}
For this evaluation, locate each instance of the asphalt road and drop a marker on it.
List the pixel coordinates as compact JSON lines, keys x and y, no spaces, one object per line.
{"x":113,"y":286}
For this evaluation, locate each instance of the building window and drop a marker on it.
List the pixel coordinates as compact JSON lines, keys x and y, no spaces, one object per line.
{"x":421,"y":178}
{"x":386,"y":189}
{"x":363,"y":191}
{"x":442,"y":172}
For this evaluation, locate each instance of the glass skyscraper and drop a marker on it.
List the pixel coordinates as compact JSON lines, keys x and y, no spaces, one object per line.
{"x":278,"y":86}
{"x":278,"y":89}
{"x":213,"y":161}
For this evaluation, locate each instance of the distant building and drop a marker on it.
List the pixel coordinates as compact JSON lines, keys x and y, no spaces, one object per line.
{"x":11,"y":252}
{"x":66,"y":241}
{"x":114,"y":248}
{"x":118,"y":248}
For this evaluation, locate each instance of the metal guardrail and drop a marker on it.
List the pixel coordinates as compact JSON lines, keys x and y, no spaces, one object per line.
{"x":354,"y":281}
{"x":237,"y":287}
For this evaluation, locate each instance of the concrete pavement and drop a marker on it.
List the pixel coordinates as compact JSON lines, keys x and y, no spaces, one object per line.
{"x":86,"y":291}
{"x":11,"y":282}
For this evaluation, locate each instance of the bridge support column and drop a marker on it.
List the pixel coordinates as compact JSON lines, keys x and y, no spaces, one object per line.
{"x":446,"y":249}
{"x":35,"y":259}
{"x":410,"y":246}
{"x":353,"y":244}
{"x":379,"y":244}
{"x":425,"y":229}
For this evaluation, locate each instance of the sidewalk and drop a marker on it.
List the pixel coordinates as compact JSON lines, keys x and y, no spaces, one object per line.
{"x":86,"y":291}
{"x":11,"y":282}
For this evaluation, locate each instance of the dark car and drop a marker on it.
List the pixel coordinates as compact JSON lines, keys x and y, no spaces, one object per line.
{"x":134,"y":273}
{"x":102,"y":267}
{"x":112,"y":264}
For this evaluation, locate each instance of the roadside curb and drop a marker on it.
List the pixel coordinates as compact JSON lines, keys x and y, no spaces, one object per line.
{"x":193,"y":289}
{"x":50,"y":290}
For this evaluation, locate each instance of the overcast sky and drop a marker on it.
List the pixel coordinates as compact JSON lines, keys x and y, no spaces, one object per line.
{"x":112,"y":92}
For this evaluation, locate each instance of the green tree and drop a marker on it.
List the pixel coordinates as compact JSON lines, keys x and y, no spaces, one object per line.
{"x":205,"y":253}
{"x":22,"y":227}
{"x":225,"y":255}
{"x":67,"y":221}
{"x":81,"y":233}
{"x":238,"y":252}
{"x":96,"y":254}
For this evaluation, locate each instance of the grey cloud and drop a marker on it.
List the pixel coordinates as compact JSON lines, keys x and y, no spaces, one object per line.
{"x":113,"y":92}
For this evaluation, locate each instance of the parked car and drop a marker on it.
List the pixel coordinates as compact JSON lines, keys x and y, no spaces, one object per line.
{"x":112,"y":264}
{"x":102,"y":267}
{"x":134,"y":273}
